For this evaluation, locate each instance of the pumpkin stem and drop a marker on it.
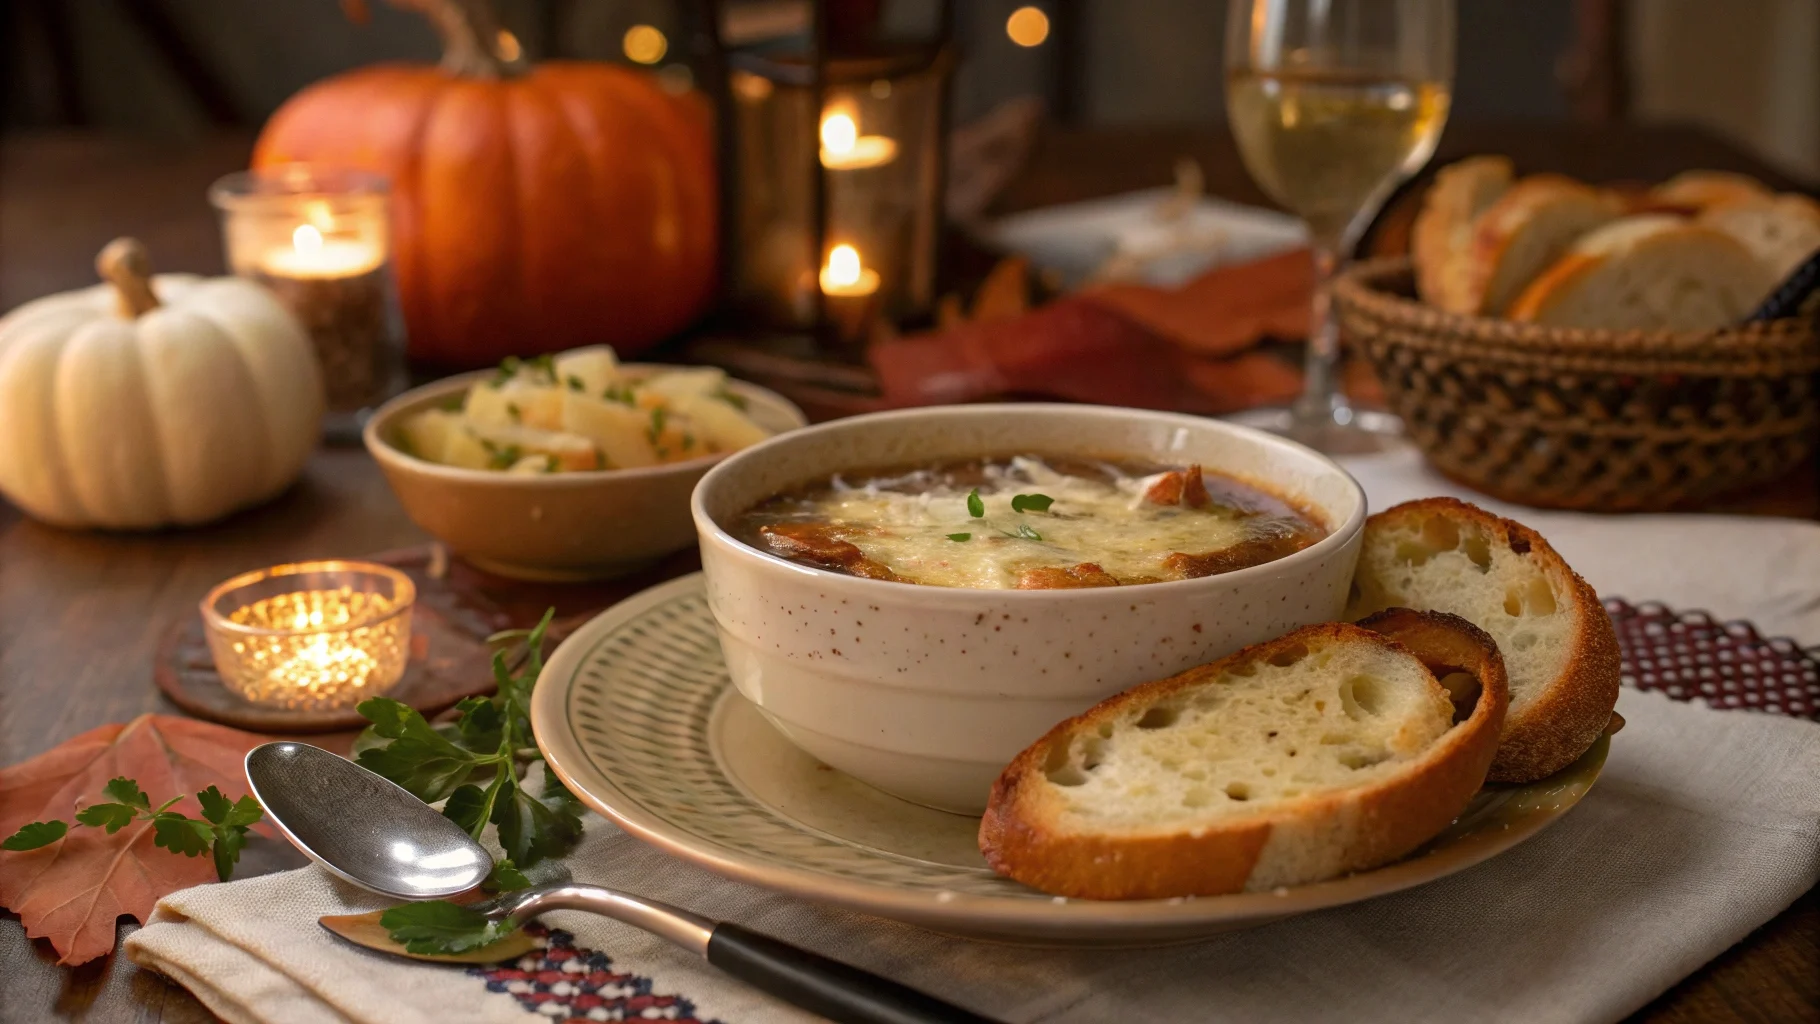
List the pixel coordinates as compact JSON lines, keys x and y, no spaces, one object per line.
{"x":124,"y":264}
{"x":473,"y":44}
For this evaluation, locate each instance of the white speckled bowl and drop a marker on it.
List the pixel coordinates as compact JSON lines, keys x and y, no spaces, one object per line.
{"x":927,"y":692}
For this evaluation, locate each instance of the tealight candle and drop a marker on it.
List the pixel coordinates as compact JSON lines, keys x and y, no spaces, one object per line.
{"x":318,"y":238}
{"x":845,"y":149}
{"x":848,"y":288}
{"x":311,"y":636}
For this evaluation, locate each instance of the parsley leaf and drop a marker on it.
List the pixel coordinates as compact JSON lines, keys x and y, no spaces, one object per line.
{"x":975,"y":507}
{"x":960,"y":536}
{"x":575,"y":383}
{"x":126,"y":791}
{"x":419,"y":758}
{"x":179,"y":834}
{"x":112,"y":817}
{"x":736,"y":401}
{"x":513,"y":411}
{"x":508,"y":368}
{"x":622,"y":395}
{"x":1031,"y":502}
{"x":505,"y":877}
{"x":438,"y":926}
{"x":656,"y":430}
{"x":1023,"y":532}
{"x":35,"y":834}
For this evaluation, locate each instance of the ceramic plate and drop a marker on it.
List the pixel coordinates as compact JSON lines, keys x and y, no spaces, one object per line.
{"x":637,"y":715}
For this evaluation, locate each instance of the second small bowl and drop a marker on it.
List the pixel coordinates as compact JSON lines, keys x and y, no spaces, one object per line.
{"x":557,"y":527}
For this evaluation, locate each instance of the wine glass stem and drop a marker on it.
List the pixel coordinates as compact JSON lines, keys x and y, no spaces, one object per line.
{"x":1321,"y":397}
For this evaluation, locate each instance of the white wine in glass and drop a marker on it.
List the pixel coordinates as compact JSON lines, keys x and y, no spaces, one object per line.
{"x":1333,"y":104}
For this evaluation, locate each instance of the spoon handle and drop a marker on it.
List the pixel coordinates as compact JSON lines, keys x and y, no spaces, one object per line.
{"x":837,"y":991}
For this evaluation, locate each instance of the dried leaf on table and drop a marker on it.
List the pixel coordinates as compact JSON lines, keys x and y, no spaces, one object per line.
{"x":1225,"y":310}
{"x":72,"y":891}
{"x":1005,"y":293}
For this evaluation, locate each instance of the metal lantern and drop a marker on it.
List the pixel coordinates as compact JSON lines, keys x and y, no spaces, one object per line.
{"x":833,"y":157}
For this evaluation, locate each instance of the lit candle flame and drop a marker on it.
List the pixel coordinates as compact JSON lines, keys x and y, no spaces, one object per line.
{"x":839,"y":135}
{"x":307,"y":239}
{"x":843,"y":266}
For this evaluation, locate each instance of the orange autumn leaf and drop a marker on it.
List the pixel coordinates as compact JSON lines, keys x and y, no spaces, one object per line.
{"x":72,"y":891}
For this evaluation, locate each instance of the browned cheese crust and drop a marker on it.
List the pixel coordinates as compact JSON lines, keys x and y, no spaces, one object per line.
{"x":821,"y":546}
{"x":1022,"y":835}
{"x":1574,"y":710}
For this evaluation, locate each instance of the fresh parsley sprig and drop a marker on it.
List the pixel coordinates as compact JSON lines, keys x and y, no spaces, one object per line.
{"x":1031,"y":502}
{"x":221,"y":829}
{"x":438,"y":927}
{"x":473,"y":763}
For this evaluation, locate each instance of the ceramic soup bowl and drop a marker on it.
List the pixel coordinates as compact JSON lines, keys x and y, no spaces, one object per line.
{"x":928,"y":692}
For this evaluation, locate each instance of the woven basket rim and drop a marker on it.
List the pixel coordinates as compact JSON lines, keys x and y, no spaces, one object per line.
{"x":1362,"y":287}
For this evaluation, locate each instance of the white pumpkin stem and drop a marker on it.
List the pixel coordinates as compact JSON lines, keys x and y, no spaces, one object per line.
{"x":124,"y":264}
{"x":473,"y":44}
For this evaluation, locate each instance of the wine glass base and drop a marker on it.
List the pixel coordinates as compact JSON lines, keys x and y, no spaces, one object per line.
{"x":1341,"y":430}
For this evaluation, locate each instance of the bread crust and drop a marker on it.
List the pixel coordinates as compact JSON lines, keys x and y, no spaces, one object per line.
{"x":1572,"y":712}
{"x":1541,"y":298}
{"x":1442,"y":234}
{"x":1697,"y":190}
{"x":1497,"y":229}
{"x":1022,"y":836}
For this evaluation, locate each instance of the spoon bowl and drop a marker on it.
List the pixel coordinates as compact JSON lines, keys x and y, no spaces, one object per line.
{"x":361,"y":827}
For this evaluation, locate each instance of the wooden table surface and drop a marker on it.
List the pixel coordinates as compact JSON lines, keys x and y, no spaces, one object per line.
{"x":80,"y":613}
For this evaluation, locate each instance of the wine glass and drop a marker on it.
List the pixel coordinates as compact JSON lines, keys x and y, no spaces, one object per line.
{"x":1334,"y":103}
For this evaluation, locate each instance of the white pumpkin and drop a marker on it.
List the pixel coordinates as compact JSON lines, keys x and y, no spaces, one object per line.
{"x":153,"y":401}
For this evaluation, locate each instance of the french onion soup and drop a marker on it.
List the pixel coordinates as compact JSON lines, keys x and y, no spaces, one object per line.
{"x":1028,"y":522}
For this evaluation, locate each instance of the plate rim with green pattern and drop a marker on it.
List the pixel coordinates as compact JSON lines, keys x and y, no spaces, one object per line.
{"x":629,"y":711}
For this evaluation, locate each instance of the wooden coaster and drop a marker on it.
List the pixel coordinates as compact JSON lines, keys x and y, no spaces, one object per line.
{"x":457,"y":608}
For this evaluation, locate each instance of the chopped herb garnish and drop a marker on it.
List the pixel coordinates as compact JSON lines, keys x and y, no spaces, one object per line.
{"x":736,"y":401}
{"x":550,"y":464}
{"x":600,"y":459}
{"x":508,"y":368}
{"x":688,"y":442}
{"x":545,"y":365}
{"x":975,"y":507}
{"x":960,"y":536}
{"x":623,"y":396}
{"x":517,"y":415}
{"x":1023,"y":532}
{"x":501,"y":456}
{"x":575,"y":383}
{"x":1031,"y":502}
{"x":658,"y":415}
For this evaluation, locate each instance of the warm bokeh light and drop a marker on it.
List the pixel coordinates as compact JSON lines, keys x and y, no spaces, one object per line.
{"x":645,"y":44}
{"x":843,"y":266}
{"x":839,"y":133}
{"x":306,"y":238}
{"x":509,"y":50}
{"x":1027,"y":26}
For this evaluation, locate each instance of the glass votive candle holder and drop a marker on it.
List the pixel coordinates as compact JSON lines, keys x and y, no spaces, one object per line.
{"x":312,"y":636}
{"x":320,"y":239}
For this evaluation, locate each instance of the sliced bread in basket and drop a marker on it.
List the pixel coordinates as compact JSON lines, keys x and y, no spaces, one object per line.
{"x":1525,"y":231}
{"x":1782,"y":231}
{"x":1559,"y":649}
{"x":1441,"y":239}
{"x":1651,"y":271}
{"x":1329,"y":750}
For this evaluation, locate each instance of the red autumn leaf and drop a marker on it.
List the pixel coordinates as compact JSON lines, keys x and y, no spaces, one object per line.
{"x":72,"y":891}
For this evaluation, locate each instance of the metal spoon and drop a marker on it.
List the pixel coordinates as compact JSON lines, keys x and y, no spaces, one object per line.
{"x":366,"y":829}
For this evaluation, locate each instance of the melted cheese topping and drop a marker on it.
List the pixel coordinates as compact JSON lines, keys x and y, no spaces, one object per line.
{"x":908,"y":522}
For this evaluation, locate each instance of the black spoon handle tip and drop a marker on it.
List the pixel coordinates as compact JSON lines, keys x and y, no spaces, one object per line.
{"x":838,"y":991}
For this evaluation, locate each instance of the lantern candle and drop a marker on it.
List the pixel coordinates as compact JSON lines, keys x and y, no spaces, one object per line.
{"x":848,"y":291}
{"x":318,"y":239}
{"x":845,"y":149}
{"x":312,"y":636}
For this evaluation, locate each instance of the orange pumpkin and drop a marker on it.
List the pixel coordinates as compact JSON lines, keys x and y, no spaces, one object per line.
{"x":535,"y":209}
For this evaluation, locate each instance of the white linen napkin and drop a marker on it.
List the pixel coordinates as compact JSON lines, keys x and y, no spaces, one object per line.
{"x":1704,"y":825}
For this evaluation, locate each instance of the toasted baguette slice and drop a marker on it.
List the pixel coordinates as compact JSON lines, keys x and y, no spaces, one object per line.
{"x":1697,"y":190}
{"x":1560,"y":651}
{"x":1325,"y":751}
{"x":1442,"y":237}
{"x":1525,"y":231}
{"x":1654,"y":271}
{"x":1781,"y":231}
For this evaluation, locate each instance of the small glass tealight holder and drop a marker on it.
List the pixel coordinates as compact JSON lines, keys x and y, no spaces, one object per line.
{"x":312,"y":636}
{"x":320,"y":239}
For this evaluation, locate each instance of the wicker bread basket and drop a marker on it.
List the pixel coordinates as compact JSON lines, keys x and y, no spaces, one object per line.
{"x":1609,"y":421}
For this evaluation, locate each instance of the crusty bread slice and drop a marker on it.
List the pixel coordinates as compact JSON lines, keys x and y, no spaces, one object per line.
{"x":1525,"y":231}
{"x":1653,"y":271}
{"x":1329,"y":750}
{"x":1560,"y":651}
{"x":1697,"y":190}
{"x":1781,"y":231}
{"x":1442,"y":236}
